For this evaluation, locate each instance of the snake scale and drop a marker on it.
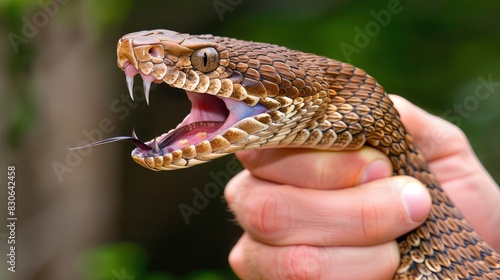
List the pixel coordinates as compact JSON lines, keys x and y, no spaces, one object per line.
{"x":248,"y":95}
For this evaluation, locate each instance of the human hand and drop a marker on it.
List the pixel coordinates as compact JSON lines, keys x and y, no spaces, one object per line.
{"x":303,"y":217}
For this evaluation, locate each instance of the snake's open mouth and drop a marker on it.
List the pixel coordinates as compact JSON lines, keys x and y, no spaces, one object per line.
{"x":210,"y":116}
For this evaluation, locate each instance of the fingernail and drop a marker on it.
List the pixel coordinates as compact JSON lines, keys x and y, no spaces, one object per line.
{"x":416,"y":200}
{"x":376,"y":169}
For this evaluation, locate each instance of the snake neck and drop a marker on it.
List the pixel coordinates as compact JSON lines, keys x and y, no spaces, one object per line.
{"x":445,"y":246}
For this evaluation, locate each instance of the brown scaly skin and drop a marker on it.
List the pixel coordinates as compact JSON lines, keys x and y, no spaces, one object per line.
{"x":311,"y":101}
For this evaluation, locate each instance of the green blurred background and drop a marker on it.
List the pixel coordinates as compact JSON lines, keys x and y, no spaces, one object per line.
{"x":98,"y":215}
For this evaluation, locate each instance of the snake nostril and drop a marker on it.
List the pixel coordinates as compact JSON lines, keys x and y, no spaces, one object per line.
{"x":156,"y":54}
{"x":153,"y":51}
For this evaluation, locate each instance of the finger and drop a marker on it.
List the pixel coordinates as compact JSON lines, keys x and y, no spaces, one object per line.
{"x":369,"y":214}
{"x":442,"y":143}
{"x":457,"y":168}
{"x":436,"y":137}
{"x":254,"y":260}
{"x":317,"y":169}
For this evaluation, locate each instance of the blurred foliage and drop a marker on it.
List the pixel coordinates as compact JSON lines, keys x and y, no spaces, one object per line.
{"x":9,"y":5}
{"x":19,"y":108}
{"x":128,"y":261}
{"x":107,"y":14}
{"x":120,"y":260}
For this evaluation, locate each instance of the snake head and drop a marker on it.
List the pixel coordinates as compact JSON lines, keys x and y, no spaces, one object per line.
{"x":234,"y":91}
{"x":243,"y":95}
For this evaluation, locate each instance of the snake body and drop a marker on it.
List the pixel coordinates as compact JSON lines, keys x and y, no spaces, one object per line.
{"x":248,"y":95}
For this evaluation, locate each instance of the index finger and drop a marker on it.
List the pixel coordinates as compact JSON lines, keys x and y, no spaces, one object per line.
{"x":317,"y":169}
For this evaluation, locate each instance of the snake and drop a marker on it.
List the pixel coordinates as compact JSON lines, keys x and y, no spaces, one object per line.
{"x":251,"y":95}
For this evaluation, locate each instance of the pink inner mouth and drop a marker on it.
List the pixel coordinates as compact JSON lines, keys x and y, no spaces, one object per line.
{"x":210,"y":116}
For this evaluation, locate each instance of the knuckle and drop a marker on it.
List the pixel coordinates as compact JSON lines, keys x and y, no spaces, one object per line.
{"x":369,"y":221}
{"x":324,"y":176}
{"x":236,"y":187}
{"x":457,"y":135}
{"x":446,"y":133}
{"x":267,"y":213}
{"x":326,"y":173}
{"x":304,"y":262}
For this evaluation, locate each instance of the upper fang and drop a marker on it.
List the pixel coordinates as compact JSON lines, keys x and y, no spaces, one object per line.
{"x":130,"y":86}
{"x":147,"y":87}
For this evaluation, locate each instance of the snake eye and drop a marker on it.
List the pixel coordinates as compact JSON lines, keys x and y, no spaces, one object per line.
{"x":205,"y":59}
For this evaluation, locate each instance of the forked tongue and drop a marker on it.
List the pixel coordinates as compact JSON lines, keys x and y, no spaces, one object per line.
{"x":133,"y":139}
{"x":177,"y":134}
